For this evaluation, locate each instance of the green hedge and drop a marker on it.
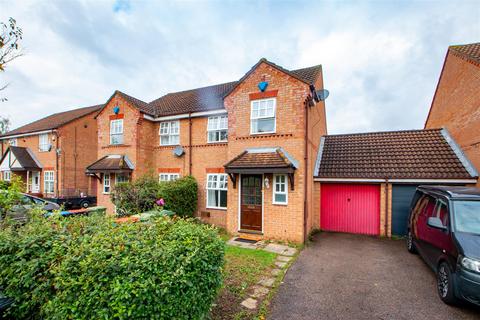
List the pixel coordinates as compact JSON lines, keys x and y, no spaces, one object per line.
{"x":91,"y":268}
{"x":141,"y":195}
{"x":181,"y":196}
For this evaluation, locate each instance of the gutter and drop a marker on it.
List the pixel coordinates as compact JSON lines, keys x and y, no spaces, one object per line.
{"x":437,"y":181}
{"x":26,"y":134}
{"x":186,"y":115}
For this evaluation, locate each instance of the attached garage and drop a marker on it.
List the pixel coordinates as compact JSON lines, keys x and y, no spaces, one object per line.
{"x":402,"y":196}
{"x":367,"y":180}
{"x":351,"y":208}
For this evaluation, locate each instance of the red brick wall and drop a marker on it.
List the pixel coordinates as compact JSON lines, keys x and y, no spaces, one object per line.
{"x":78,"y":144}
{"x":133,"y":143}
{"x":456,"y":105}
{"x":279,"y":222}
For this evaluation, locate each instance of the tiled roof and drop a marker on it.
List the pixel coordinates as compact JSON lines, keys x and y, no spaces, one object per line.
{"x":468,"y":51}
{"x":195,"y":100}
{"x":413,"y":154}
{"x":53,"y":121}
{"x":24,"y":157}
{"x":139,"y":104}
{"x":262,"y":158}
{"x":111,"y":163}
{"x":211,"y":97}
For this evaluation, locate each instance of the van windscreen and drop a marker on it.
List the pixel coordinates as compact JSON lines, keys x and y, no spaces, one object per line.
{"x":467,"y":216}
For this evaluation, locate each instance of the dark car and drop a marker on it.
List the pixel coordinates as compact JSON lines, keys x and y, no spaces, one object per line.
{"x":444,"y":228}
{"x":19,"y":211}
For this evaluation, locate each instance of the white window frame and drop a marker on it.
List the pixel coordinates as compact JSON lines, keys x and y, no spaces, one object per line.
{"x":13,"y":142}
{"x":49,"y":182}
{"x":116,"y":130}
{"x":257,"y":117}
{"x":43,"y":142}
{"x":106,"y":183}
{"x":165,"y":176}
{"x":7,"y":175}
{"x":217,"y":124}
{"x":217,"y":187}
{"x":167,"y":129}
{"x":275,"y":192}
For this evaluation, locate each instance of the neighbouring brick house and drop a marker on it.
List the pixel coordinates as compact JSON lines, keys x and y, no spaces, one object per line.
{"x":251,"y":144}
{"x":51,"y":154}
{"x":456,"y":104}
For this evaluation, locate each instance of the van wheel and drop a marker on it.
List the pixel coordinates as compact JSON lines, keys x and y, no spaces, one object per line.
{"x":410,"y":245}
{"x":445,"y":285}
{"x":84,"y":204}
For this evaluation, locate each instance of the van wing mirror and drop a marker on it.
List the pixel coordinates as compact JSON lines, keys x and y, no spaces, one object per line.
{"x":436,"y":223}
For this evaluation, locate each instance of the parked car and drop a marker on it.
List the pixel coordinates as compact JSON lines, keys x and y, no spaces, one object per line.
{"x":81,"y":202}
{"x":19,"y":211}
{"x":444,"y":228}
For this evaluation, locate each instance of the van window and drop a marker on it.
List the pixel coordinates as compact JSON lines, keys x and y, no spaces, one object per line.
{"x":419,"y":206}
{"x":467,"y":216}
{"x":442,"y":212}
{"x":430,"y":207}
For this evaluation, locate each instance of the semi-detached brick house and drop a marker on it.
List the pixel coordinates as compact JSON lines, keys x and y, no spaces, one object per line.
{"x":251,"y":144}
{"x":456,"y":104}
{"x":51,"y":154}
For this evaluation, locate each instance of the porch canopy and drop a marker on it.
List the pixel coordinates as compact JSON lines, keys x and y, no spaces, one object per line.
{"x":262,"y":160}
{"x":19,"y":159}
{"x":113,"y":163}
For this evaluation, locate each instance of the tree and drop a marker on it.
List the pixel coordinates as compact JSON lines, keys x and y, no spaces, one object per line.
{"x":10,"y":36}
{"x":4,"y":125}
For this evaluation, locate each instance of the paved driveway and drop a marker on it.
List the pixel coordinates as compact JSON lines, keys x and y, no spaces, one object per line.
{"x":342,"y":276}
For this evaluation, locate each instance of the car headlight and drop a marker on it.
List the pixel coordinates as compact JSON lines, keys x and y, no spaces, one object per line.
{"x":470,"y":264}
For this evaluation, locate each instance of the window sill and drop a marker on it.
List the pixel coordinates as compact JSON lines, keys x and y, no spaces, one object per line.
{"x":217,"y":142}
{"x":218,"y":208}
{"x":280,"y":204}
{"x":262,"y":133}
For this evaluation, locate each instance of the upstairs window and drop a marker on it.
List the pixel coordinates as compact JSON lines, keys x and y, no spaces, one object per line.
{"x":162,"y":177}
{"x":169,"y":133}
{"x":106,"y":183}
{"x":280,"y":191}
{"x":43,"y":142}
{"x":217,"y":129}
{"x":262,"y":116}
{"x":12,"y":142}
{"x":116,"y":131}
{"x":48,"y":181}
{"x":217,"y":191}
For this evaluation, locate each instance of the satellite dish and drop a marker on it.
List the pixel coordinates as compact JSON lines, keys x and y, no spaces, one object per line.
{"x":321,"y":95}
{"x":178,"y":151}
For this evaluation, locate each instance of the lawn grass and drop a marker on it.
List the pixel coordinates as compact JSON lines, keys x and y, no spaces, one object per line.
{"x":243,"y":269}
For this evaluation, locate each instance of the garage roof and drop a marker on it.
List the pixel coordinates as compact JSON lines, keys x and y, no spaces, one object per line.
{"x":412,"y":154}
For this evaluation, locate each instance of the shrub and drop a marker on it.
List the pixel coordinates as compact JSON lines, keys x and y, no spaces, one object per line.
{"x":140,"y":196}
{"x":180,"y":196}
{"x":92,"y":268}
{"x":10,"y":195}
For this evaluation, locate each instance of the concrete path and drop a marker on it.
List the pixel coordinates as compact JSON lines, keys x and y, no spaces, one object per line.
{"x":343,"y":276}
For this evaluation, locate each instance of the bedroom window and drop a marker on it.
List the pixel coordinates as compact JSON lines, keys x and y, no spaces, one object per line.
{"x":217,"y":129}
{"x":43,"y":142}
{"x":262,"y":116}
{"x":169,"y":133}
{"x":116,"y":131}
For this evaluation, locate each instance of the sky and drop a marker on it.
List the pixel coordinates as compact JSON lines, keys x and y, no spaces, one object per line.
{"x":381,"y":59}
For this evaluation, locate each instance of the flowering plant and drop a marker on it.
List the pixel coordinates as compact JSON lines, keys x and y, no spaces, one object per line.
{"x":160,"y":202}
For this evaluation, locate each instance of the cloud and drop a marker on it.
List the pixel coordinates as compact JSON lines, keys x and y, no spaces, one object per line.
{"x":381,"y":60}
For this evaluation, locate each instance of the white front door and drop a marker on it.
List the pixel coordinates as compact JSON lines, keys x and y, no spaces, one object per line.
{"x":35,"y":182}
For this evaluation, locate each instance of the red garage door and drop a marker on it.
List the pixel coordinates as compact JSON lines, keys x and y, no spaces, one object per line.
{"x":352,"y":208}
